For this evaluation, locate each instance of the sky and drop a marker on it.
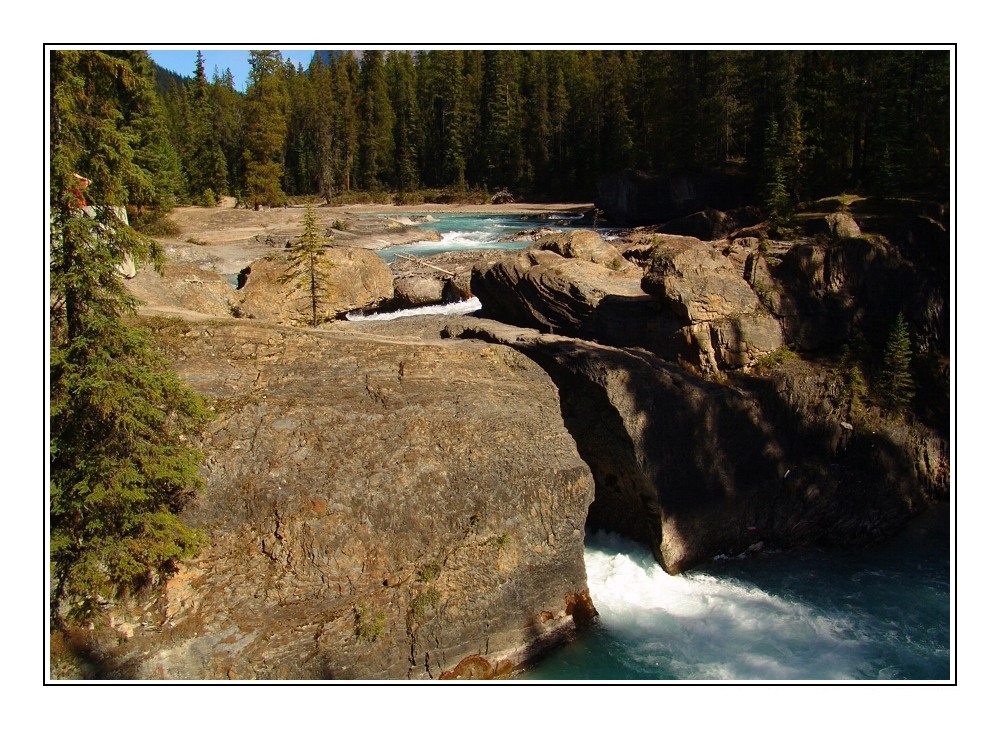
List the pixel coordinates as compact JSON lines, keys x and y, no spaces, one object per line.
{"x":183,"y":61}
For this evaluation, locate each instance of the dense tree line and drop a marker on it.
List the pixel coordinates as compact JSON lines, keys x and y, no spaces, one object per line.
{"x":549,"y":123}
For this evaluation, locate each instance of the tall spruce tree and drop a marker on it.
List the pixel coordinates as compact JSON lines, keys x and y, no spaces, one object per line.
{"x":265,"y":129}
{"x":321,"y":127}
{"x":375,"y":142}
{"x":119,"y":467}
{"x":402,"y":81}
{"x":205,"y":162}
{"x":502,"y":118}
{"x":345,"y":126}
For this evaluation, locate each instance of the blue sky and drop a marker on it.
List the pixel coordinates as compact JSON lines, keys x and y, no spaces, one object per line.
{"x":183,"y":61}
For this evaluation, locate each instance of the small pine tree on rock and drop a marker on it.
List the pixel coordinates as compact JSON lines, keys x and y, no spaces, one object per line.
{"x":895,"y":384}
{"x":308,"y":267}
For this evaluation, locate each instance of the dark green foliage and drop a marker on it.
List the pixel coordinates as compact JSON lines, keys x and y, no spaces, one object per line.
{"x":308,"y":267}
{"x":265,"y":130}
{"x":120,"y":469}
{"x":799,"y":123}
{"x":895,"y":382}
{"x":119,"y":465}
{"x":777,"y":202}
{"x":204,"y":160}
{"x":402,"y":80}
{"x":377,"y":119}
{"x":853,"y":369}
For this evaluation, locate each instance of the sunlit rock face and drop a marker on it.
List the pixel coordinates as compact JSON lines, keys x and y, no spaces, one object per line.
{"x":376,"y":507}
{"x":691,"y":304}
{"x":353,"y":278}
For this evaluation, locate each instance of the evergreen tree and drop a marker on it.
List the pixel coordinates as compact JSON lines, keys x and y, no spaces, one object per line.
{"x":457,"y":112}
{"x":321,"y":125}
{"x":502,"y":118}
{"x":375,"y":143}
{"x":144,"y":116}
{"x":205,"y":162}
{"x":618,"y":150}
{"x":227,"y":107}
{"x":776,"y":198}
{"x":308,"y":267}
{"x":265,"y":130}
{"x":559,"y":106}
{"x":345,"y":125}
{"x":895,"y":382}
{"x":119,"y":470}
{"x":302,"y":136}
{"x":402,"y":80}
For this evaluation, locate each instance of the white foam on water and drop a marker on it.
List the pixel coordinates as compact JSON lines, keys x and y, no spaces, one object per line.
{"x":456,"y":309}
{"x":703,"y":627}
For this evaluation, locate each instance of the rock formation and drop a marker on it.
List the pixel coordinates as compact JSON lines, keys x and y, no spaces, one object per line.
{"x":358,"y":279}
{"x":695,"y":469}
{"x":373,"y":511}
{"x":690,"y":305}
{"x":185,"y":287}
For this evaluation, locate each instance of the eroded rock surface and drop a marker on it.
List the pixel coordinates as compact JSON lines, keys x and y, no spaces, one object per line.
{"x":185,"y":287}
{"x":690,"y":305}
{"x":585,"y":245}
{"x":358,"y":279}
{"x":373,"y":510}
{"x":695,"y":469}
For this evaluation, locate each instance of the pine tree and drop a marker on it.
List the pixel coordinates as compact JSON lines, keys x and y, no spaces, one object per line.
{"x":205,"y":162}
{"x":895,"y":383}
{"x":308,"y":267}
{"x":119,"y":469}
{"x":402,"y":90}
{"x":502,"y":118}
{"x":265,"y":130}
{"x":321,"y":125}
{"x":345,"y":120}
{"x":227,"y":110}
{"x":377,"y":119}
{"x":456,"y":114}
{"x":776,"y":199}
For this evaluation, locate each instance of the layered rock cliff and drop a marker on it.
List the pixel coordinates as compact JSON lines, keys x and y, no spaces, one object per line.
{"x":695,"y":469}
{"x":373,"y":510}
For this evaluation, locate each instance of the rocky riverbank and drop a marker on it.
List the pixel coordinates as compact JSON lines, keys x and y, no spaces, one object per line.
{"x":407,"y":499}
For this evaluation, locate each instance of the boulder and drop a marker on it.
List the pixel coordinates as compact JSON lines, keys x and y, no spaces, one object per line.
{"x":708,"y":224}
{"x":842,"y":225}
{"x":438,"y":278}
{"x":416,"y":290}
{"x":543,"y":289}
{"x":585,"y":245}
{"x":375,"y":508}
{"x":359,"y":279}
{"x":690,"y":305}
{"x":697,"y":281}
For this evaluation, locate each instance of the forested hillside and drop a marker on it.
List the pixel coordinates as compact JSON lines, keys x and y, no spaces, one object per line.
{"x":548,"y":123}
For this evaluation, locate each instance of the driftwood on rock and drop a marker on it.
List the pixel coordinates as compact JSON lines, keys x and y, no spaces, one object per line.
{"x":415,"y":259}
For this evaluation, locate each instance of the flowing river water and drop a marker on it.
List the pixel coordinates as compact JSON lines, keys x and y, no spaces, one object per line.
{"x":885,"y":614}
